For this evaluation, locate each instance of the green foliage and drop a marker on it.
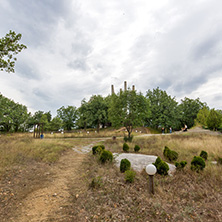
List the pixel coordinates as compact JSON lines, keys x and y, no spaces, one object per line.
{"x":163,"y":109}
{"x":13,"y":116}
{"x":180,"y":165}
{"x":55,"y":124}
{"x":204,"y":155}
{"x":98,"y":149}
{"x":214,"y":119}
{"x":96,"y":182}
{"x":136,"y":148}
{"x":130,"y":176}
{"x":161,"y":166}
{"x":128,"y":109}
{"x":170,"y":154}
{"x":124,"y":165}
{"x":125,"y":147}
{"x":219,"y":160}
{"x":128,"y":139}
{"x":203,"y":115}
{"x":197,"y":164}
{"x":9,"y":47}
{"x":189,"y":109}
{"x":106,"y":156}
{"x":68,"y":116}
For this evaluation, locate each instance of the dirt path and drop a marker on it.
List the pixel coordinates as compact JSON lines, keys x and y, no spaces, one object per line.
{"x":42,"y":204}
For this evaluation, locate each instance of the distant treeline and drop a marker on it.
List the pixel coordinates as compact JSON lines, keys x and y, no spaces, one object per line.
{"x":127,"y":108}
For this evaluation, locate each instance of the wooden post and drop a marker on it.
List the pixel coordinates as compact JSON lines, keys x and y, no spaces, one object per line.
{"x":151,"y":186}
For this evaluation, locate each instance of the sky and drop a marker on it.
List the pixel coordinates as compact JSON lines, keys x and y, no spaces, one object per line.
{"x":79,"y":48}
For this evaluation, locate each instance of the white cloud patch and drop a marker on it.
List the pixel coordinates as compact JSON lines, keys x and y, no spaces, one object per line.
{"x":79,"y":48}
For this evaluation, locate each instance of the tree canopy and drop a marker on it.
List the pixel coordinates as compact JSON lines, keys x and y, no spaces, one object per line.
{"x":164,"y":112}
{"x":128,"y":109}
{"x":9,"y":47}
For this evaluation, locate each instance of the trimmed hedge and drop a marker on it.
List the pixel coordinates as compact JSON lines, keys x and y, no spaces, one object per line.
{"x":161,"y":166}
{"x":180,"y":165}
{"x":136,"y":148}
{"x":170,"y":154}
{"x":97,"y":149}
{"x":197,"y":164}
{"x":204,"y":155}
{"x":106,"y":156}
{"x":125,"y":147}
{"x":124,"y":165}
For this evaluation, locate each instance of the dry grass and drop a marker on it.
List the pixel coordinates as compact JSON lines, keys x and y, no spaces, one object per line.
{"x":186,"y":196}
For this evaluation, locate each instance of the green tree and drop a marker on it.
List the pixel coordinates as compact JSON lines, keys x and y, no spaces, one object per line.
{"x":9,"y":47}
{"x":98,"y":111}
{"x":214,"y":119}
{"x":84,"y":117}
{"x":13,"y":116}
{"x":189,"y":109}
{"x":202,"y":115}
{"x":128,"y":109}
{"x":55,"y":124}
{"x":68,"y":116}
{"x":164,"y":112}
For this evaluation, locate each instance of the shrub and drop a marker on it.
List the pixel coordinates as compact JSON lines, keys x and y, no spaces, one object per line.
{"x":166,"y":151}
{"x":130,"y":176}
{"x":180,"y":165}
{"x":106,"y":156}
{"x":128,"y":139}
{"x":161,"y":166}
{"x":197,"y":163}
{"x":219,"y":160}
{"x":96,"y":183}
{"x":95,"y":151}
{"x":125,"y":147}
{"x":136,"y":148}
{"x":170,"y":154}
{"x":204,"y":155}
{"x":124,"y":165}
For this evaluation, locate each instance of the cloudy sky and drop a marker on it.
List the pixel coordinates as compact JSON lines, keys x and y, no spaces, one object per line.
{"x":79,"y":48}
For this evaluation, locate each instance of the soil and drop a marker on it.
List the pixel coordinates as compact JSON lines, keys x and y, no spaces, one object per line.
{"x":45,"y":190}
{"x":41,"y":200}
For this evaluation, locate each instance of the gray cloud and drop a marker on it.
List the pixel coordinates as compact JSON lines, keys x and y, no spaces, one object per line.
{"x":79,"y":48}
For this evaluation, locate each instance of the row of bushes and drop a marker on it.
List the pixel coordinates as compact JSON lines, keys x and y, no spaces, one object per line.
{"x":107,"y":156}
{"x":104,"y":155}
{"x":126,"y":148}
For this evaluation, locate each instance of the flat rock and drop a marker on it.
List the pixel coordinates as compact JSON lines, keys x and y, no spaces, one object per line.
{"x":139,"y":161}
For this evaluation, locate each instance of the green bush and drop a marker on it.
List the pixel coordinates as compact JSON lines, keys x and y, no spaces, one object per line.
{"x":180,"y":165}
{"x":97,"y":150}
{"x":161,"y":166}
{"x":197,"y":163}
{"x":170,"y":154}
{"x":125,"y":147}
{"x":204,"y":155}
{"x":136,"y":148}
{"x":166,"y":151}
{"x":106,"y":156}
{"x":124,"y":165}
{"x":96,"y":183}
{"x":219,"y":160}
{"x":128,"y":139}
{"x":130,"y":176}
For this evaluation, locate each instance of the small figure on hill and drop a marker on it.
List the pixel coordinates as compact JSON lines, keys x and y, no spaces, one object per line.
{"x":185,"y":128}
{"x":162,"y":130}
